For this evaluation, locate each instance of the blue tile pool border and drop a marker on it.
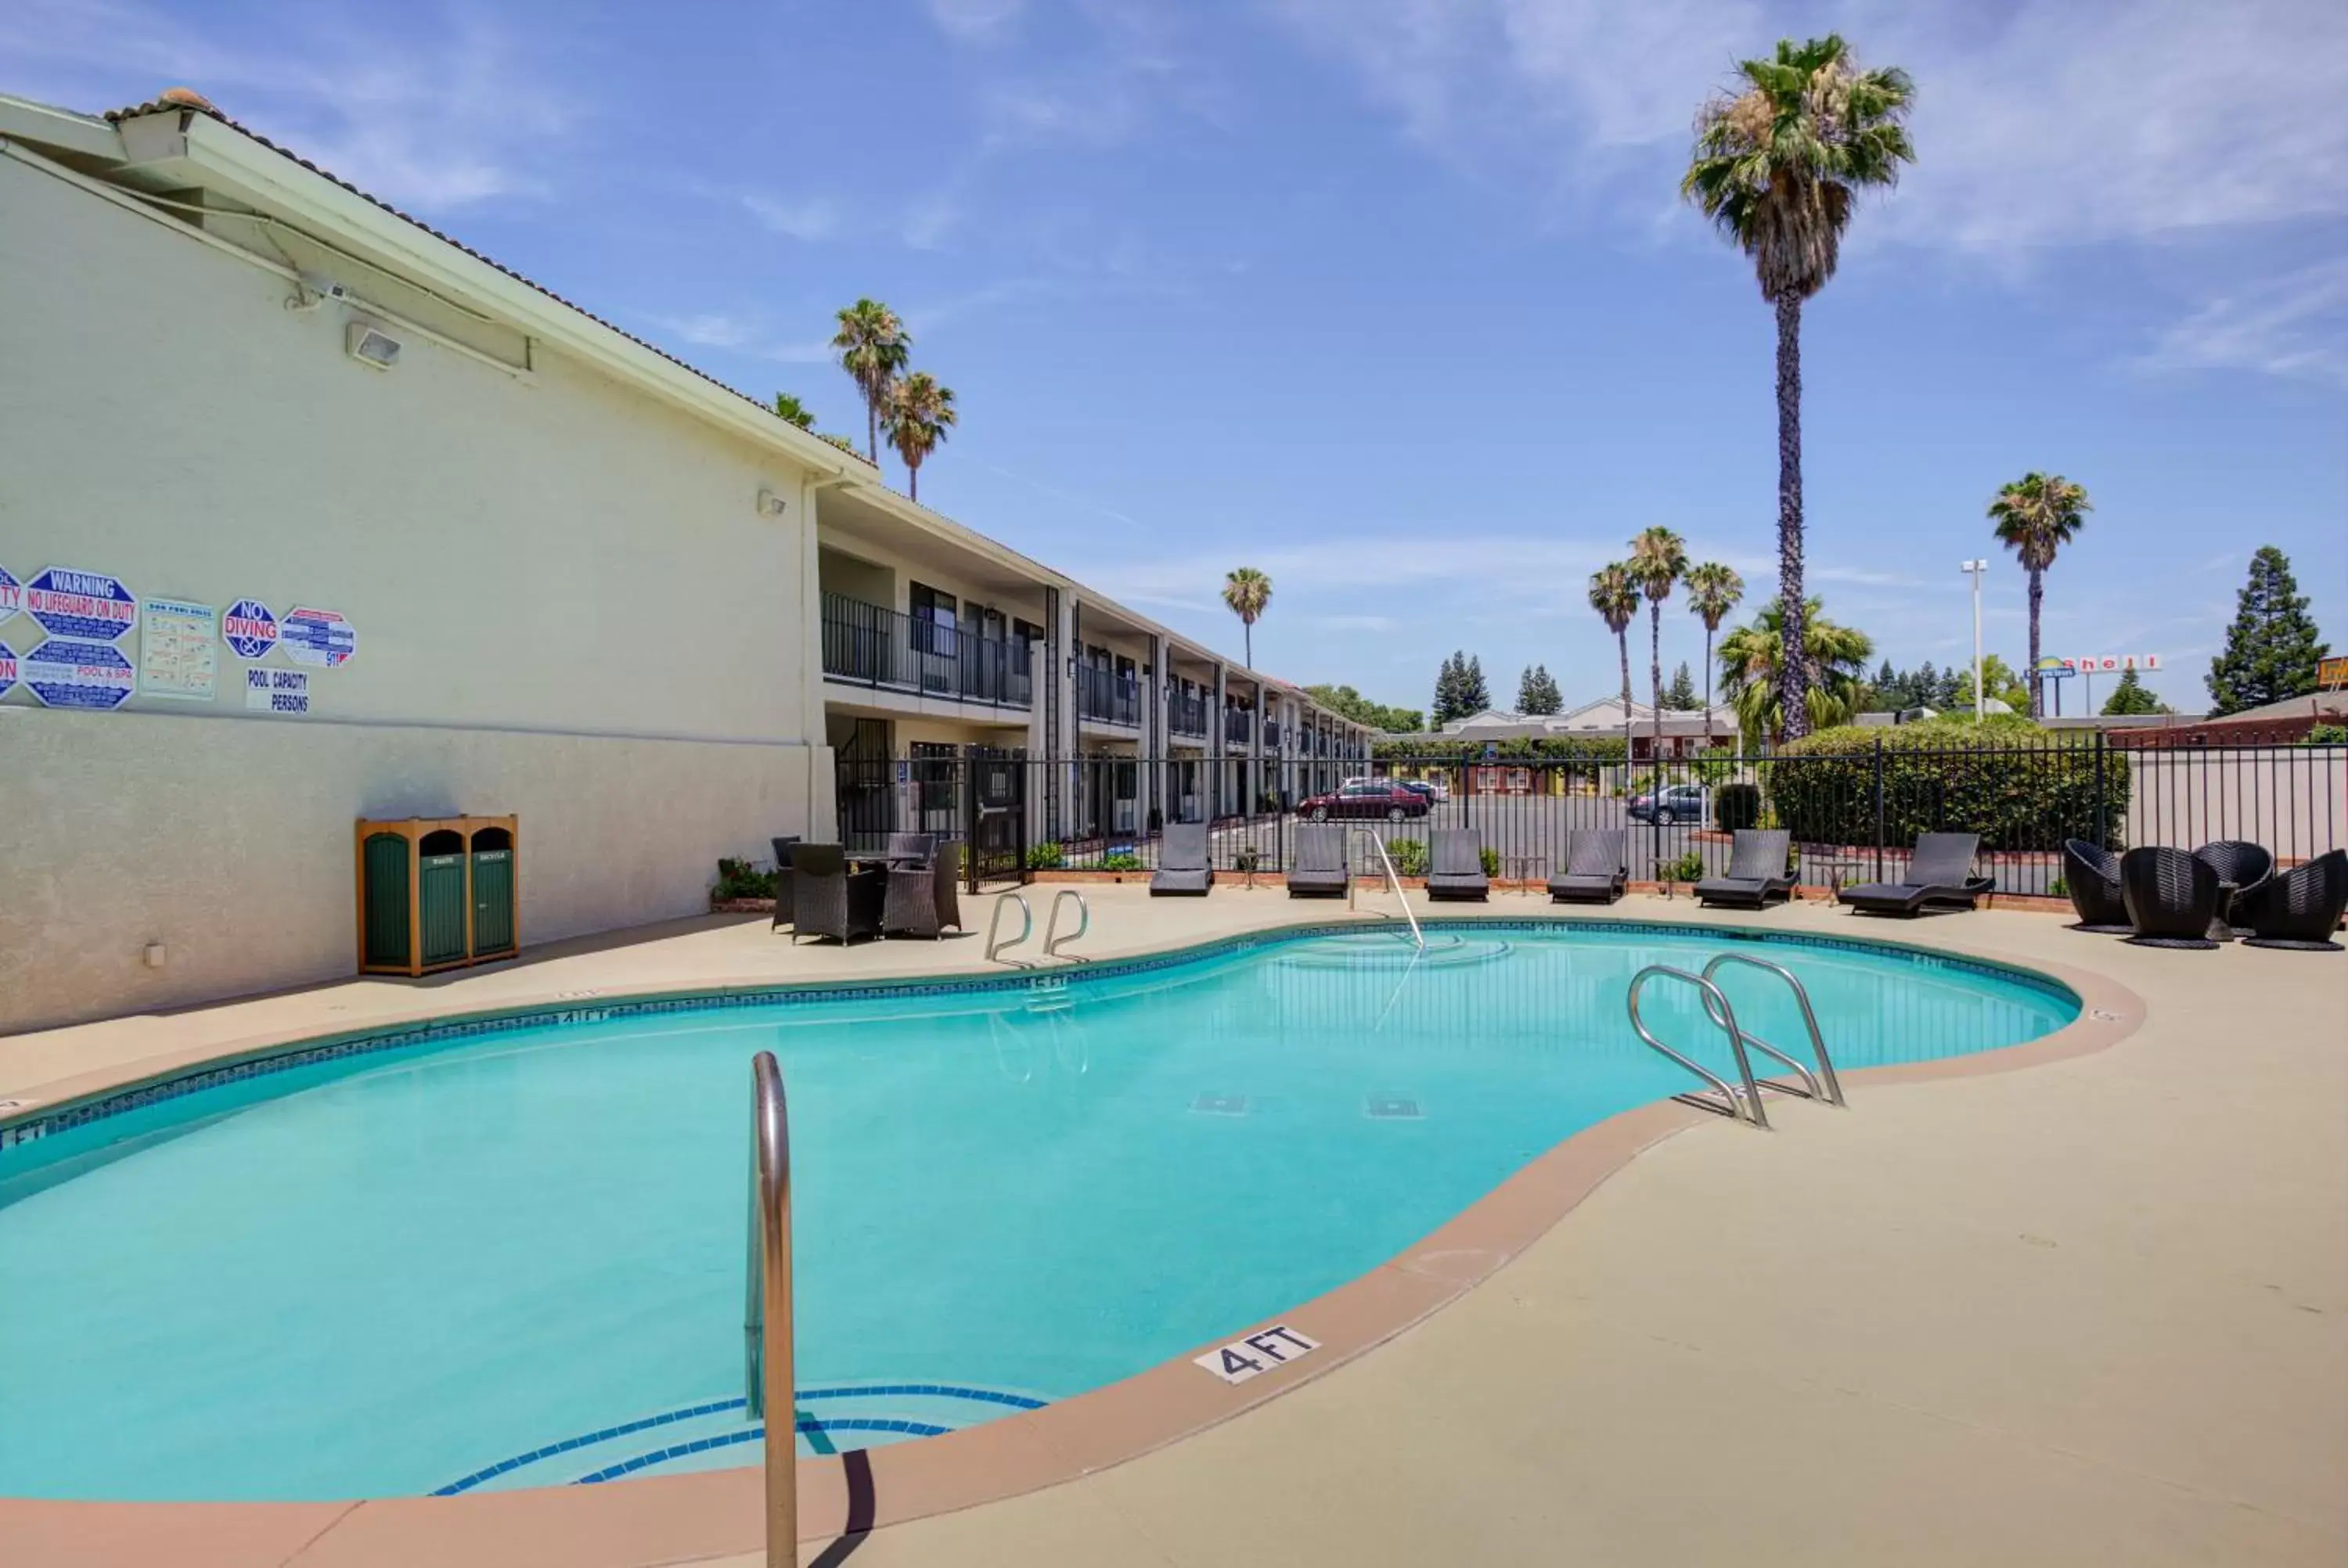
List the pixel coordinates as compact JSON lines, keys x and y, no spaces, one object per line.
{"x":28,"y":1127}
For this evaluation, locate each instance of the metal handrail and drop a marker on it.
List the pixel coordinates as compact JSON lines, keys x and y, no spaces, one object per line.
{"x":1053,"y":941}
{"x":1830,"y":1092}
{"x":1394,"y":880}
{"x":767,"y":1366}
{"x":995,"y":925}
{"x":1738,"y":1103}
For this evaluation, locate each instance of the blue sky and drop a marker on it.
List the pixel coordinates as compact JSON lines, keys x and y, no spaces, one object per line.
{"x":1395,"y":299}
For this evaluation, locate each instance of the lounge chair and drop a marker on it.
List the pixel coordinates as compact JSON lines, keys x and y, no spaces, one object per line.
{"x":2172,"y":896}
{"x":1939,"y":872}
{"x":2299,"y":909}
{"x":921,"y":900}
{"x":2091,"y":874}
{"x":1596,"y":867}
{"x":1183,"y":866}
{"x":830,"y":900}
{"x":783,"y":847}
{"x":1319,"y":871}
{"x":1456,"y":864}
{"x":2242,"y":868}
{"x":1755,"y":874}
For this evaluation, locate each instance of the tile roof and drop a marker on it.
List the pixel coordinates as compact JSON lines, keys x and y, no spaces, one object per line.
{"x":191,"y":105}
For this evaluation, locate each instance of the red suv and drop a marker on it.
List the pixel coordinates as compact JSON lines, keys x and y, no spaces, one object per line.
{"x":1365,"y":797}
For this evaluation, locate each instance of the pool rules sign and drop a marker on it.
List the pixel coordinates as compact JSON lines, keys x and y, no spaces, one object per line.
{"x":1258,"y":1352}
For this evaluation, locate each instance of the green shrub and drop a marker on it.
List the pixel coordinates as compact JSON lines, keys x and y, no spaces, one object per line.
{"x":1409,"y":856}
{"x":1489,"y":859}
{"x":1246,"y":858}
{"x":1123,"y":860}
{"x":1046,"y":857}
{"x":740,"y":879}
{"x":1688,"y":868}
{"x":1735,"y":806}
{"x":2327,"y":735}
{"x":2020,"y":787}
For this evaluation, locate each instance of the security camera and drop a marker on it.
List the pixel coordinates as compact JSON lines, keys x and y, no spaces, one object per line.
{"x":311,"y":289}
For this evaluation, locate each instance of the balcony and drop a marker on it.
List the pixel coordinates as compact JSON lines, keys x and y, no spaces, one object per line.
{"x":1239,"y":724}
{"x":866,"y":645}
{"x":1108,"y":698}
{"x":1271,"y":734}
{"x":1186,"y":715}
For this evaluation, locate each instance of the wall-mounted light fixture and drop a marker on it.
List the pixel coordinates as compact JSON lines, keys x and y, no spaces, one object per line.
{"x":370,"y":345}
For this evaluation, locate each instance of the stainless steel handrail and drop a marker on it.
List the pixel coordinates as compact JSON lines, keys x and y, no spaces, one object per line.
{"x":1741,"y":1103}
{"x":767,"y":1366}
{"x":995,"y":925}
{"x":1823,"y":1086}
{"x":1053,"y":940}
{"x":1394,"y":880}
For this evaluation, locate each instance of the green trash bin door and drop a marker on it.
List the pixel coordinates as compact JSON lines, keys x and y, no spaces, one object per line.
{"x":387,"y":901}
{"x":440,"y":896}
{"x":493,"y":893}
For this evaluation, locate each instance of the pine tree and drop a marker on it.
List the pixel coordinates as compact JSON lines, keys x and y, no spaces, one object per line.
{"x":1885,"y":688}
{"x":1680,"y":696}
{"x":1924,"y":686}
{"x":1536,"y":692}
{"x":2133,"y":696}
{"x":2273,"y":648}
{"x":1474,"y":695}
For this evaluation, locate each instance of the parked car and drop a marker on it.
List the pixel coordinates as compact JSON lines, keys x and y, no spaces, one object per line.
{"x":1365,"y":797}
{"x":1672,"y":803}
{"x":1427,"y":790}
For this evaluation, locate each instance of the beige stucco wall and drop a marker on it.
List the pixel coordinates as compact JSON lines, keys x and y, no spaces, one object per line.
{"x":568,"y":606}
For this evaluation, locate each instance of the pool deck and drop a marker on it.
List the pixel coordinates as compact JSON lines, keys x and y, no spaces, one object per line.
{"x":2094,"y":1310}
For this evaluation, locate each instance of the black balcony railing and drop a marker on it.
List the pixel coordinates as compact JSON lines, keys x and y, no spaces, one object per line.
{"x":869,"y":646}
{"x":1238,"y":726}
{"x":1186,"y":715}
{"x":1271,"y":734}
{"x":1108,"y":697}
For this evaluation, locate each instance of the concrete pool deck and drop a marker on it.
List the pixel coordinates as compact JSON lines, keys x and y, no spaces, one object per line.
{"x":2092,"y":1310}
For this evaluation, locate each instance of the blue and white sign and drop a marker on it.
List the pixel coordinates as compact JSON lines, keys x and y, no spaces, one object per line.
{"x":7,"y":667}
{"x":12,"y":594}
{"x":250,"y":629}
{"x":319,"y":637}
{"x":277,"y":692}
{"x":66,"y":673}
{"x":86,"y":605}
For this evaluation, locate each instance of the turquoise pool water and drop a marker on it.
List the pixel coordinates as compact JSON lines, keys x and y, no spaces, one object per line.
{"x":516,"y":1259}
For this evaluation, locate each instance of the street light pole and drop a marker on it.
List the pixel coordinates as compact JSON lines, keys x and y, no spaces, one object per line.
{"x":1974,"y":569}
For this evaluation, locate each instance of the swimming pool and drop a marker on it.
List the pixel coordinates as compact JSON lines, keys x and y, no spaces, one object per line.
{"x":512,"y":1255}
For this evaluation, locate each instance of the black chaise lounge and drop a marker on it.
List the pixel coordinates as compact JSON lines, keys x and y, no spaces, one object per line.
{"x":1319,"y":869}
{"x":2242,"y":868}
{"x":830,"y":900}
{"x":1596,"y":869}
{"x":2299,"y":909}
{"x":1939,"y":872}
{"x":1456,"y":864}
{"x":2091,"y":875}
{"x":922,"y":900}
{"x":1183,"y":866}
{"x":783,"y":847}
{"x":2172,"y":896}
{"x":1755,"y":874}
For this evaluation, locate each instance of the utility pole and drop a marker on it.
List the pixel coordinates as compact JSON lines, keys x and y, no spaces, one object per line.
{"x":1974,"y":569}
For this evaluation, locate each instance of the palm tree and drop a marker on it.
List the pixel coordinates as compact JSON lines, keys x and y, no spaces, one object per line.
{"x":1658,"y":561}
{"x":873,"y":344}
{"x":2034,"y":516}
{"x":1714,"y":590}
{"x":1247,"y":591}
{"x":1615,"y":596}
{"x":791,"y":408}
{"x":1779,"y":164}
{"x":918,"y":415}
{"x":1752,"y":671}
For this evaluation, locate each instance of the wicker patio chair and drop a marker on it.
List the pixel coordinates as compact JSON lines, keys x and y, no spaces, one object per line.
{"x":783,"y":847}
{"x":2242,"y":867}
{"x":922,"y":900}
{"x":1940,"y":871}
{"x":1319,"y":869}
{"x":1596,"y":867}
{"x":1755,"y":874}
{"x":909,"y":849}
{"x":830,"y":900}
{"x":1183,"y":866}
{"x":2298,"y":909}
{"x":2091,"y":874}
{"x":1456,"y":864}
{"x":2172,"y":896}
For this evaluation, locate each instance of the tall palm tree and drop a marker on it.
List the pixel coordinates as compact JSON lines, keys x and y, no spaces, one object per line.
{"x":1658,"y":561}
{"x":1615,"y":596}
{"x":918,"y":415}
{"x":1246,"y":592}
{"x":1752,"y":671}
{"x":1714,"y":590}
{"x":789,"y":406}
{"x":1780,"y":158}
{"x":872,"y":346}
{"x":2035,"y":516}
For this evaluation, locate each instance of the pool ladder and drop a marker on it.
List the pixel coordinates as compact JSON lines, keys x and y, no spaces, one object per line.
{"x":996,"y":945}
{"x":1741,"y":1100}
{"x":766,"y":1347}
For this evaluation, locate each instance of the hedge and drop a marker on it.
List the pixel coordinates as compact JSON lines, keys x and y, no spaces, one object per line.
{"x":1735,"y":806}
{"x":2020,"y":787}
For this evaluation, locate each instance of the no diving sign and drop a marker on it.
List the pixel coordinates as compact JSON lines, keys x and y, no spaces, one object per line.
{"x":1258,"y":1352}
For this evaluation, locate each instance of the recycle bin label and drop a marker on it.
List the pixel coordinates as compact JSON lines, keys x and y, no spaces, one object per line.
{"x":64,"y":672}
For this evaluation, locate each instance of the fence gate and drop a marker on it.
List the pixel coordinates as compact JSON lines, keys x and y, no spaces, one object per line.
{"x":995,"y":825}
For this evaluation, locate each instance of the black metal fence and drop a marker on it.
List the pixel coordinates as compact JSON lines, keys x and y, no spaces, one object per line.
{"x":1853,"y":815}
{"x":874,"y":646}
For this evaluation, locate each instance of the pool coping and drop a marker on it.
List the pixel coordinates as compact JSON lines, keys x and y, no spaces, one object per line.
{"x":669,"y":1519}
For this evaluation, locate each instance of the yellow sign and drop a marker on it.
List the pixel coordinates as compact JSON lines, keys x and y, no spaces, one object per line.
{"x":2331,"y":674}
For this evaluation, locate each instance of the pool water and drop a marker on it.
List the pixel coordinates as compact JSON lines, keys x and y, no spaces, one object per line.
{"x":516,"y":1259}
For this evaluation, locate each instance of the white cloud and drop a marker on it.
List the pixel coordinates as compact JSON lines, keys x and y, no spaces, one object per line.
{"x":976,"y":21}
{"x":814,"y":218}
{"x":2296,"y":325}
{"x":749,"y":335}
